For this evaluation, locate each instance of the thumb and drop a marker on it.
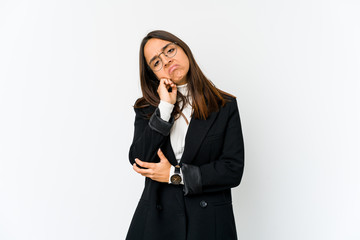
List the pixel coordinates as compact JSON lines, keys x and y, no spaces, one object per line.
{"x":174,"y":89}
{"x":161,"y":155}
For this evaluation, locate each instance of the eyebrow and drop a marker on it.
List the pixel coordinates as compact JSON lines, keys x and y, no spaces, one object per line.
{"x":162,"y":49}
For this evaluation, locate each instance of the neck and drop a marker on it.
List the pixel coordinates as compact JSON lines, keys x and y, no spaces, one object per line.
{"x":181,"y":85}
{"x":182,"y":81}
{"x":183,"y":89}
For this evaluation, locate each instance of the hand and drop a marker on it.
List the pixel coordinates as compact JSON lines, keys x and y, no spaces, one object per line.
{"x":156,"y":171}
{"x":163,"y":92}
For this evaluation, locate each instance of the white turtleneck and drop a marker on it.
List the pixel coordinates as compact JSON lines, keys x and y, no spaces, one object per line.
{"x":180,"y":127}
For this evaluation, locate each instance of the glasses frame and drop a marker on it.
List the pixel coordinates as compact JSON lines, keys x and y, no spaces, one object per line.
{"x":162,"y":52}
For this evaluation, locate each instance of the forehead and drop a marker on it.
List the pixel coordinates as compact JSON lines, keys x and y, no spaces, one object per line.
{"x":153,"y":47}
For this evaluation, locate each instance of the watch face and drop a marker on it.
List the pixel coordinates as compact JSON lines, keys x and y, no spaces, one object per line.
{"x":175,"y":179}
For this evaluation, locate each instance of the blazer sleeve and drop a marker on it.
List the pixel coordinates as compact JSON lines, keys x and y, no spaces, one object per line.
{"x":149,"y":135}
{"x":225,"y":172}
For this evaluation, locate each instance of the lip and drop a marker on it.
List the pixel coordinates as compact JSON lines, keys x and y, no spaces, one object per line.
{"x":172,"y":68}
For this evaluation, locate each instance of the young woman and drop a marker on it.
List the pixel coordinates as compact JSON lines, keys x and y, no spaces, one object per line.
{"x":187,"y":143}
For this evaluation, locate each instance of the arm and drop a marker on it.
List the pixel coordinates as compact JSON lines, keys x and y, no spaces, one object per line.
{"x":226,"y":172}
{"x":149,"y":135}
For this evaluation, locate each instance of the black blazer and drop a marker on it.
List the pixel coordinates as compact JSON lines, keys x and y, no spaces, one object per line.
{"x":212,"y":164}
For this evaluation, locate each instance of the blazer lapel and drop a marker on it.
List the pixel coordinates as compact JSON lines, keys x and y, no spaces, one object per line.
{"x":195,"y":135}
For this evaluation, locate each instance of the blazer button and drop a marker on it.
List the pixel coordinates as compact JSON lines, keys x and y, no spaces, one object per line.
{"x":203,"y":204}
{"x":158,"y":207}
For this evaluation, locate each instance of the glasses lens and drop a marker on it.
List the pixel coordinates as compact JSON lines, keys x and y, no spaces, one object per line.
{"x":156,"y":64}
{"x":170,"y":50}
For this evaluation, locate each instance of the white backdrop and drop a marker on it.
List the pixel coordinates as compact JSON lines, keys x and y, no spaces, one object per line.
{"x":69,"y":78}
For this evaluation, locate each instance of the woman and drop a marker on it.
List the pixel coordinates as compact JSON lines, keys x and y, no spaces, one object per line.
{"x":187,"y":143}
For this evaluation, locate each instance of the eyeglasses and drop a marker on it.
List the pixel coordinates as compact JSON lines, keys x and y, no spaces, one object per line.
{"x":169,"y":51}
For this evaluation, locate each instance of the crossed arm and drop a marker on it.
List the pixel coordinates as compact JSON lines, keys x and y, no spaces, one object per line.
{"x":156,"y":171}
{"x":225,"y":172}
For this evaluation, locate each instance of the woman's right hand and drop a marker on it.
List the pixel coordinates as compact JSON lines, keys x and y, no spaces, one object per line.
{"x":163,"y":92}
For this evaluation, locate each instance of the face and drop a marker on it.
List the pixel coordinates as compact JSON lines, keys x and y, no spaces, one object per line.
{"x":174,"y":68}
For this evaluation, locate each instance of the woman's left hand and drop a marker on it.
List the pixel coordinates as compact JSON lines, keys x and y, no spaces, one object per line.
{"x":156,"y":171}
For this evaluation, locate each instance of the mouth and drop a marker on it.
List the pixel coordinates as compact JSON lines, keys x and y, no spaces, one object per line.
{"x":172,"y":68}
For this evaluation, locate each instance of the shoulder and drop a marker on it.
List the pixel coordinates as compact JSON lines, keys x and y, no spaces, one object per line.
{"x":142,"y":107}
{"x":230,"y":100}
{"x":230,"y":108}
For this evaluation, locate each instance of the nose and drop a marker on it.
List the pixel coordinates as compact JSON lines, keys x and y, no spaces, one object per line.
{"x":166,"y":60}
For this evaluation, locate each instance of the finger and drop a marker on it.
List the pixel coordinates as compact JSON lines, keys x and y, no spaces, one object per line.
{"x":163,"y":82}
{"x":168,"y":84}
{"x":172,"y":84}
{"x":174,"y":90}
{"x":143,"y":164}
{"x":136,"y":168}
{"x":144,"y":172}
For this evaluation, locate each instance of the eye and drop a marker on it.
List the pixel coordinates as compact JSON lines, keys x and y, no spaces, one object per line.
{"x":171,"y":50}
{"x":157,"y":62}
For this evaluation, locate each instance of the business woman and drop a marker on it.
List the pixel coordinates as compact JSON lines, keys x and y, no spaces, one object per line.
{"x":187,"y":144}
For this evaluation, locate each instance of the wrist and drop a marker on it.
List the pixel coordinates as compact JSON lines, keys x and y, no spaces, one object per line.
{"x":176,"y":176}
{"x":165,"y":110}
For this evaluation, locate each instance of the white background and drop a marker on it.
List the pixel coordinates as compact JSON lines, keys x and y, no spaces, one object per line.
{"x":69,"y":78}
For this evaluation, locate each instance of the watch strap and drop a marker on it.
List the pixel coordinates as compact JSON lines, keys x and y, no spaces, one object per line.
{"x":176,"y":177}
{"x":177,"y":169}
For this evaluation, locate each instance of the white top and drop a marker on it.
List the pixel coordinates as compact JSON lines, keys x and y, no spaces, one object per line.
{"x":180,"y":127}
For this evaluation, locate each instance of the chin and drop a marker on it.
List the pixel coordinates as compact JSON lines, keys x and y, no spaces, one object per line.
{"x":178,"y":77}
{"x":180,"y":80}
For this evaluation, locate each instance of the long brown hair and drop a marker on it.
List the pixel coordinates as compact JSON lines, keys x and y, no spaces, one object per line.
{"x":206,"y":98}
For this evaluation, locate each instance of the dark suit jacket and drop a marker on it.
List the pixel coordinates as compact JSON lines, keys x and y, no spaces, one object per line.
{"x":212,"y":164}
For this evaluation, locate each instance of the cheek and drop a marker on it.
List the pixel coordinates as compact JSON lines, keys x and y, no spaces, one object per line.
{"x":162,"y":74}
{"x":185,"y":61}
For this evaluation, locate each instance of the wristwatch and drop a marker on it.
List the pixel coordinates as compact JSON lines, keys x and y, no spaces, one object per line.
{"x":176,"y":177}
